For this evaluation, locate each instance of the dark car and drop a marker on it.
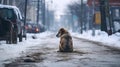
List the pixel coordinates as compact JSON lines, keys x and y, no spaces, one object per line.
{"x":41,"y":27}
{"x":32,"y":28}
{"x":12,"y":15}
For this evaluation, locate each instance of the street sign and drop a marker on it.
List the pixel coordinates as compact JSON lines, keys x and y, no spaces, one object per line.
{"x":97,"y":18}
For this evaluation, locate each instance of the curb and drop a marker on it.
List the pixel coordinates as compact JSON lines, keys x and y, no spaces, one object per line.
{"x":99,"y":43}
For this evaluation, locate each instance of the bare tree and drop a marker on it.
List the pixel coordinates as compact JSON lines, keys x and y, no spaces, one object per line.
{"x":75,"y":9}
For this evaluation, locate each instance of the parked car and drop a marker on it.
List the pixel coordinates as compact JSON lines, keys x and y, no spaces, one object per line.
{"x":41,"y":27}
{"x":11,"y":23}
{"x":34,"y":28}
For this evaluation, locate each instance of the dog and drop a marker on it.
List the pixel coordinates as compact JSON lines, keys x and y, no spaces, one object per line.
{"x":66,"y":43}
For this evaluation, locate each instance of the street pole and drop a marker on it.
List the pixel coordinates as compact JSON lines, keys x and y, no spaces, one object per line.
{"x":93,"y":23}
{"x":25,"y":14}
{"x":88,"y":18}
{"x":47,"y":14}
{"x":109,"y":17}
{"x":43,"y":13}
{"x":38,"y":9}
{"x":81,"y":20}
{"x":103,"y":16}
{"x":72,"y":20}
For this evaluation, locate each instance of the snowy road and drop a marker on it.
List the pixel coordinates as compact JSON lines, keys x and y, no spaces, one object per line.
{"x":86,"y":54}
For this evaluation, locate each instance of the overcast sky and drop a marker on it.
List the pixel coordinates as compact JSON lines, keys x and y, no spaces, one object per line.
{"x":60,"y":5}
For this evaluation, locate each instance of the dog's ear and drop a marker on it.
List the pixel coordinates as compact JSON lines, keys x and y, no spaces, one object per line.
{"x":62,"y":30}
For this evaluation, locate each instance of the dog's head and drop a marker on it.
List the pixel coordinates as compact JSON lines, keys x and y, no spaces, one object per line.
{"x":61,"y":32}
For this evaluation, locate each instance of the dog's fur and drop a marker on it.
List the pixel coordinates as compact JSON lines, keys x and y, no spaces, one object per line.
{"x":66,"y":43}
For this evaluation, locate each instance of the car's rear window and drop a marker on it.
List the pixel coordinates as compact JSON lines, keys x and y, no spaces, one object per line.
{"x":7,"y":13}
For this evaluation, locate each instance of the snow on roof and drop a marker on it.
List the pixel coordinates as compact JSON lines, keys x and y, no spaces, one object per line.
{"x":17,"y":11}
{"x":7,"y":6}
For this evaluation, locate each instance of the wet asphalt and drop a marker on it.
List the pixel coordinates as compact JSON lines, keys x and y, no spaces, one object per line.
{"x":86,"y":54}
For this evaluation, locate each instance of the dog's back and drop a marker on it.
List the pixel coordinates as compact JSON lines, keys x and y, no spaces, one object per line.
{"x":67,"y":42}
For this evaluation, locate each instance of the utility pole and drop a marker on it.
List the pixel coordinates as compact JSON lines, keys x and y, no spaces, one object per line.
{"x":81,"y":20}
{"x":38,"y":9}
{"x":43,"y":13}
{"x":109,"y":17}
{"x":47,"y":16}
{"x":103,"y":16}
{"x":88,"y":18}
{"x":93,"y":23}
{"x":25,"y":14}
{"x":72,"y":19}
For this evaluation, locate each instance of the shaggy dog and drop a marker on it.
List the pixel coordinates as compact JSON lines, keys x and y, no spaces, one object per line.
{"x":66,"y":44}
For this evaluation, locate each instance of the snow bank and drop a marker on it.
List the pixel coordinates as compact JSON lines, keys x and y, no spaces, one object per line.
{"x":10,"y":51}
{"x":112,"y":41}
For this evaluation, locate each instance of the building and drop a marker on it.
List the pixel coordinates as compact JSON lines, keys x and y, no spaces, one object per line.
{"x":111,"y":2}
{"x":114,"y":10}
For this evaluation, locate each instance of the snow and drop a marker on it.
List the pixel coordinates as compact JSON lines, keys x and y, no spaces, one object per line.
{"x":10,"y":51}
{"x":111,"y":41}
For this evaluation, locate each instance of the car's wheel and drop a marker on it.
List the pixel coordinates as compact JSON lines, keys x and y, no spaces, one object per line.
{"x":25,"y":37}
{"x":20,"y":37}
{"x":14,"y":40}
{"x":9,"y":37}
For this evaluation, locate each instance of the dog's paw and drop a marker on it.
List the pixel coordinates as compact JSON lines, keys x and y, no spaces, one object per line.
{"x":58,"y":51}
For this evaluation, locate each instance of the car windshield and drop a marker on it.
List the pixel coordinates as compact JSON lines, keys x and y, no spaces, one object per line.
{"x":6,"y":13}
{"x":34,"y":25}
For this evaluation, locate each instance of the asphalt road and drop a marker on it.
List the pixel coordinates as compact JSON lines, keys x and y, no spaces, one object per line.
{"x":86,"y":54}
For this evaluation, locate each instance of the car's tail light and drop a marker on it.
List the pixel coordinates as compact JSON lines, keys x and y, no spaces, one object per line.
{"x":37,"y":30}
{"x":26,"y":27}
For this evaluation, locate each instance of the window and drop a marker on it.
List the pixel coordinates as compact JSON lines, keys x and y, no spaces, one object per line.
{"x":117,"y":12}
{"x":7,"y":13}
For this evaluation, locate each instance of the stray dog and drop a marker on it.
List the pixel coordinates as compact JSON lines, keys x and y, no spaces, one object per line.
{"x":66,"y":44}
